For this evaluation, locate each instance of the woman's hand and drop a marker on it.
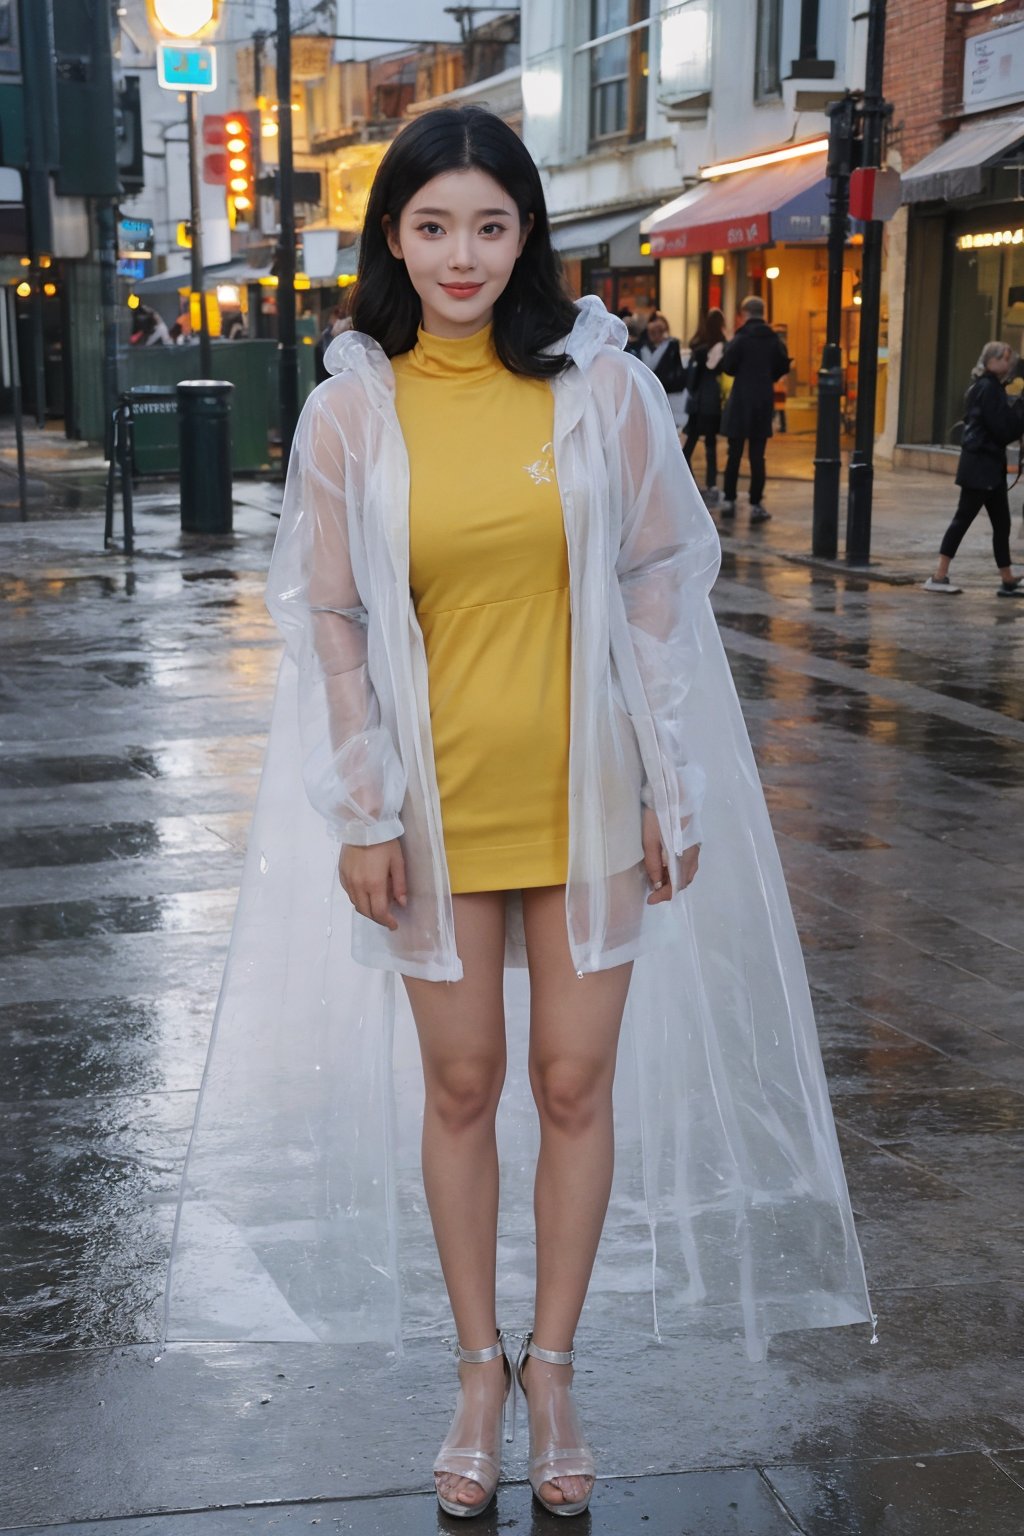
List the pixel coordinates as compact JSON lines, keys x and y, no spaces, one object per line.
{"x":373,"y":878}
{"x":656,"y":862}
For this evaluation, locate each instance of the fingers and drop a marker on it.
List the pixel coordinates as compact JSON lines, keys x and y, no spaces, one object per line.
{"x":656,"y":865}
{"x":396,"y":872}
{"x":373,"y":878}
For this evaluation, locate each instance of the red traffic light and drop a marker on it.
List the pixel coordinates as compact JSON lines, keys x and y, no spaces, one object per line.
{"x":215,"y":168}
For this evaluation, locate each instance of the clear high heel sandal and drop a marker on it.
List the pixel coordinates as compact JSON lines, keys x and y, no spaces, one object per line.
{"x":472,"y":1447}
{"x":557,"y":1448}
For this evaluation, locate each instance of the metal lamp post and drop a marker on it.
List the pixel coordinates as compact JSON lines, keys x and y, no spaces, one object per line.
{"x":185,"y":22}
{"x":862,"y":468}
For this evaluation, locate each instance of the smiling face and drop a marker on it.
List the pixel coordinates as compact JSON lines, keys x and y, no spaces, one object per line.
{"x":459,"y":236}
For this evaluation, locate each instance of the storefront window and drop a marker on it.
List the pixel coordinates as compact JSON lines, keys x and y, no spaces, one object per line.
{"x":986,"y":304}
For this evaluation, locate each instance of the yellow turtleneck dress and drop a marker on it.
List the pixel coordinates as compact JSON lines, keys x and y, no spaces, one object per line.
{"x":489,"y":572}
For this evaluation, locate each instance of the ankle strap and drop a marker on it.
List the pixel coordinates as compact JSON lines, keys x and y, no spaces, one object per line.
{"x":480,"y":1356}
{"x":552,"y":1356}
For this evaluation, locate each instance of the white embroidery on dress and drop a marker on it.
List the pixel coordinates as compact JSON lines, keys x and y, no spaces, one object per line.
{"x":542,"y":470}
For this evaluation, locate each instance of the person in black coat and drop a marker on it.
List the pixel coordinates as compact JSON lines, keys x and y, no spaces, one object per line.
{"x":707,"y":348}
{"x":991,"y":422}
{"x":756,"y":358}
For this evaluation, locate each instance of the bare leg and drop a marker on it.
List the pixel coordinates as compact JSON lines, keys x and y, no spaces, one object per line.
{"x":574,"y":1032}
{"x":461,"y":1028}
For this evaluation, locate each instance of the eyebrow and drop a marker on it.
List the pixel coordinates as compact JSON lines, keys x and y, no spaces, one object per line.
{"x":481,"y":212}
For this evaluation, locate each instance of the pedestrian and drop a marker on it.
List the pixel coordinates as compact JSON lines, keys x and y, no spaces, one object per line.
{"x":504,"y":689}
{"x":991,"y":422}
{"x":659,"y":350}
{"x":755,"y":359}
{"x":707,"y":348}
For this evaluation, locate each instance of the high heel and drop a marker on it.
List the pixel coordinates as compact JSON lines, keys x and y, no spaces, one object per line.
{"x":551,"y":1460}
{"x":480,"y":1464}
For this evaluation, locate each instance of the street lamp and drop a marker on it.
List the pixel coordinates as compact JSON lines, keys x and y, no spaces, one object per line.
{"x":188,"y":21}
{"x":183,"y":18}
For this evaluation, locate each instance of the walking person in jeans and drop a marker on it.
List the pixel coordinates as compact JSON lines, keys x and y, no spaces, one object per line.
{"x":755,"y":358}
{"x":707,"y":348}
{"x":991,"y":423}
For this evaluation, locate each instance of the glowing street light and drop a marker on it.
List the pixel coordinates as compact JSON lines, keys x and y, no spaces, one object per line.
{"x":183,"y":18}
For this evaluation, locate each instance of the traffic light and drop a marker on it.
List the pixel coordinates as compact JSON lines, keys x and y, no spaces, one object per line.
{"x":241,"y":178}
{"x":215,"y":156}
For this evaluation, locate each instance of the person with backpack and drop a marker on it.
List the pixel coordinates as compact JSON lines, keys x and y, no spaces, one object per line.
{"x":707,"y":348}
{"x":991,"y":422}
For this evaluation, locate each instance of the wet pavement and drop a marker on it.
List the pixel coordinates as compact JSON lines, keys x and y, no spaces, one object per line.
{"x":889,"y":727}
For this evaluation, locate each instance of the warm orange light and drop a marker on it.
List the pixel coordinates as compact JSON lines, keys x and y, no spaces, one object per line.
{"x":233,"y":125}
{"x":235,"y":146}
{"x":239,"y":184}
{"x":242,"y":202}
{"x":49,"y":289}
{"x":23,"y":290}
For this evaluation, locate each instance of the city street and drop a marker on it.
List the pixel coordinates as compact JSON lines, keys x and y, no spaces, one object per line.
{"x":889,"y":729}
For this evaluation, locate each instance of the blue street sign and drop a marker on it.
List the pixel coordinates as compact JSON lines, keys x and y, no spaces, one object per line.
{"x":186,"y":68}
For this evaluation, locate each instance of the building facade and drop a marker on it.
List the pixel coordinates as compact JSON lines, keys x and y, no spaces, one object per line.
{"x":955,"y":76}
{"x":688,"y":140}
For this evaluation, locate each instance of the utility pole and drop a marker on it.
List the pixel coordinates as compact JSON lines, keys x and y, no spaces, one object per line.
{"x":106,"y":227}
{"x":196,"y":215}
{"x":862,"y":466}
{"x":287,"y":356}
{"x":827,"y":457}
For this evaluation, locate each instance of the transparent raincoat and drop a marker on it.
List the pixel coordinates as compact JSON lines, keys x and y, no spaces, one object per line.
{"x":301,"y":1214}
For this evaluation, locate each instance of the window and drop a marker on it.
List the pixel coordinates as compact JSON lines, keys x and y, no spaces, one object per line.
{"x":768,"y":67}
{"x":619,"y":59}
{"x":684,"y":52}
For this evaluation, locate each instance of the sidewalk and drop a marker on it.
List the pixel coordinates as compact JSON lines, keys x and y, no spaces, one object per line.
{"x":910,"y":511}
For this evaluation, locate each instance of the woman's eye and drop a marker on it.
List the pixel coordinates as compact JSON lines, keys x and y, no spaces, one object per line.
{"x":429,"y":229}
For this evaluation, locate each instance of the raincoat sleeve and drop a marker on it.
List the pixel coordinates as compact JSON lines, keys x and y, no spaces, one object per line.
{"x":351,"y":769}
{"x":668,"y":560}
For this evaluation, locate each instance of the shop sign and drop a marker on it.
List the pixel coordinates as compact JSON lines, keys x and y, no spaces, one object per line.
{"x":135,"y":237}
{"x":132,"y":267}
{"x":724,"y":235}
{"x":989,"y":238}
{"x":994,"y":68}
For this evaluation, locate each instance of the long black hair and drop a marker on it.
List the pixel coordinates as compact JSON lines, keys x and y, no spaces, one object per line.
{"x":535,"y":310}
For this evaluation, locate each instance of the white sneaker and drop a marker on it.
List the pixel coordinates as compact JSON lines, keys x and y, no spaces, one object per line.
{"x":941,"y":584}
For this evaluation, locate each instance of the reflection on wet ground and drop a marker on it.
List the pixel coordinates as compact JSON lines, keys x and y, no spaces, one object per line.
{"x":889,"y":734}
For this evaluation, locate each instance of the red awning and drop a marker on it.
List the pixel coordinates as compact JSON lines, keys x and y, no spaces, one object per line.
{"x":733,"y":213}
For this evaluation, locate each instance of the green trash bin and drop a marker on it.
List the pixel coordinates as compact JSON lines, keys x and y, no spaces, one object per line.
{"x":204,"y":417}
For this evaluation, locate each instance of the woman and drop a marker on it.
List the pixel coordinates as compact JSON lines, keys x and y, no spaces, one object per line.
{"x":491,"y":574}
{"x":991,"y":423}
{"x":660,"y":351}
{"x":705,"y":418}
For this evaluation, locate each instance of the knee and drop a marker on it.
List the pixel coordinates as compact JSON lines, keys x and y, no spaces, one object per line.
{"x":571,"y":1095}
{"x":464,"y":1094}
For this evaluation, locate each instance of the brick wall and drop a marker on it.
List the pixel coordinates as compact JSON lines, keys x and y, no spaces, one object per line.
{"x":924,"y":64}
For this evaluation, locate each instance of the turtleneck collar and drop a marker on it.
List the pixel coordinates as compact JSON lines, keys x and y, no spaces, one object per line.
{"x":463,"y":357}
